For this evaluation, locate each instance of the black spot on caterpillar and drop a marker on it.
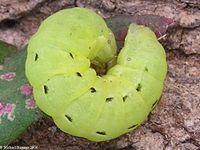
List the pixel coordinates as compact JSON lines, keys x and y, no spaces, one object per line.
{"x":93,"y":90}
{"x":124,"y":98}
{"x":146,"y":69}
{"x":101,"y":133}
{"x":71,"y":55}
{"x":139,"y":86}
{"x":79,"y":74}
{"x":45,"y":89}
{"x":109,"y":99}
{"x":36,"y":57}
{"x":69,"y":118}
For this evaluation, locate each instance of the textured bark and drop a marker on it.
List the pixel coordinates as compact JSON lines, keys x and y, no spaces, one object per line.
{"x":17,"y":8}
{"x":175,"y":123}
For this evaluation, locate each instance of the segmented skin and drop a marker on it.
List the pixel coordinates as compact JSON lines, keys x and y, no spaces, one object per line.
{"x":80,"y":102}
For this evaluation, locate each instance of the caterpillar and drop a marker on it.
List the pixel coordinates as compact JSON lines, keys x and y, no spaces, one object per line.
{"x":67,"y":88}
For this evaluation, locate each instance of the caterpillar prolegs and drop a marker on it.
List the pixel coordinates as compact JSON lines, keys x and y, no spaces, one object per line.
{"x":80,"y":102}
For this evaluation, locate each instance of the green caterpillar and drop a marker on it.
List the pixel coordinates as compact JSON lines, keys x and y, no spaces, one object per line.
{"x":80,"y":102}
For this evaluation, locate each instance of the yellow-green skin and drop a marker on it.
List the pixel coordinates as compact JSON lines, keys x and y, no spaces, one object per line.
{"x":80,"y":102}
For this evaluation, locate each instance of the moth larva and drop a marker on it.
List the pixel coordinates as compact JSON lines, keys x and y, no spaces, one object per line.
{"x":80,"y":102}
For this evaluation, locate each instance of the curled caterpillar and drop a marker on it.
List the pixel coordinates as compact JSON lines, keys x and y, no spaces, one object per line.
{"x":80,"y":102}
